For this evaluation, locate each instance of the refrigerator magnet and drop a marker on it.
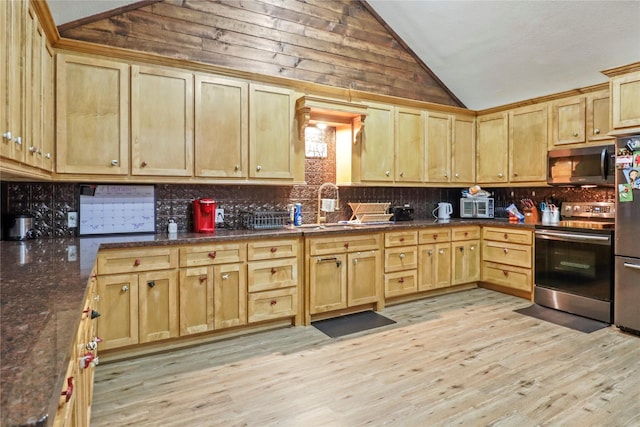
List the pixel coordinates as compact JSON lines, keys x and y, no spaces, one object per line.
{"x":625,"y":193}
{"x":624,"y":158}
{"x":633,"y":177}
{"x":636,"y":159}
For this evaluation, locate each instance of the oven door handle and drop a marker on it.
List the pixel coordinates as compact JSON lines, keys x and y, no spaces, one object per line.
{"x":570,"y":237}
{"x":629,"y":265}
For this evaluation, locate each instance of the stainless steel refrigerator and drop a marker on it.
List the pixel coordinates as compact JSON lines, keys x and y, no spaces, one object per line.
{"x":627,"y":235}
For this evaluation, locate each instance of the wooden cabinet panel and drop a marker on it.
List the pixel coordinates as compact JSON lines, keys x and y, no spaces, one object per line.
{"x":625,"y":100}
{"x":272,"y":274}
{"x":492,"y":148}
{"x":400,"y":258}
{"x":463,"y":150}
{"x":507,"y":253}
{"x":465,"y":233}
{"x":400,"y":238}
{"x":598,"y":116}
{"x":229,"y":295}
{"x":528,"y":144}
{"x":271,"y":152}
{"x":507,"y":276}
{"x":274,"y":304}
{"x":113,"y":261}
{"x":507,"y":235}
{"x":209,"y":254}
{"x":118,"y":307}
{"x":92,"y":101}
{"x":328,"y":283}
{"x":365,"y":278}
{"x":465,"y":265}
{"x":332,"y":245}
{"x":434,"y":270}
{"x":162,"y":104}
{"x":434,"y":235}
{"x":409,"y":145}
{"x":221,"y":131}
{"x":438,"y":161}
{"x":569,"y":121}
{"x":272,"y":249}
{"x":400,"y":283}
{"x":376,"y":151}
{"x":158,"y":305}
{"x":196,"y":300}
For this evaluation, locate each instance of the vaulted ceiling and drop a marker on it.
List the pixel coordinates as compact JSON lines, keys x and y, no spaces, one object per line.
{"x":492,"y":53}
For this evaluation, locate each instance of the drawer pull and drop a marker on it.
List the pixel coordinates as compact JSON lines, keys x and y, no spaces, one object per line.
{"x":505,"y":250}
{"x":225,"y":276}
{"x":402,"y":239}
{"x":212,"y":255}
{"x":472,"y":248}
{"x":273,"y":250}
{"x":461,"y":248}
{"x":346,"y":245}
{"x":151,"y":283}
{"x":69,"y":391}
{"x":203,"y":278}
{"x":506,"y":236}
{"x":335,"y":259}
{"x":136,"y":263}
{"x":466,"y":233}
{"x":441,"y":251}
{"x":273,"y":270}
{"x":402,"y":256}
{"x":144,"y":164}
{"x":401,"y":280}
{"x":125,"y":288}
{"x":273,"y":302}
{"x":506,"y":273}
{"x":429,"y":252}
{"x":435,"y":237}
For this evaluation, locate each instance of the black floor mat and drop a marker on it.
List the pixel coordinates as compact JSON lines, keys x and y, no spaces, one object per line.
{"x":351,"y":323}
{"x":562,"y":318}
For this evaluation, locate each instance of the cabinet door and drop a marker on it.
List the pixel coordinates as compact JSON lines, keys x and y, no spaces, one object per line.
{"x":376,"y":152}
{"x":434,"y":268}
{"x":158,"y":305}
{"x":625,"y":96}
{"x":229,"y":295}
{"x":438,"y":147}
{"x":271,"y":152}
{"x":196,"y":300}
{"x":221,"y":127}
{"x":528,"y":144}
{"x":365,"y":278}
{"x":35,"y":42}
{"x":161,"y":122}
{"x":569,"y":121}
{"x":463,"y":150}
{"x":598,"y":117}
{"x":48,"y":101}
{"x":409,"y":137}
{"x":466,"y":262}
{"x":92,"y":121}
{"x":118,"y":307}
{"x":327,"y":283}
{"x":492,"y":149}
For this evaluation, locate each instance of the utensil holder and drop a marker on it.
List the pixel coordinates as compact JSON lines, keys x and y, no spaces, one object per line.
{"x":531,"y":216}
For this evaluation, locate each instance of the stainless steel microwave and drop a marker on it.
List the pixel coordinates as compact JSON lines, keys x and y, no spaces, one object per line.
{"x":476,"y":207}
{"x":582,"y":166}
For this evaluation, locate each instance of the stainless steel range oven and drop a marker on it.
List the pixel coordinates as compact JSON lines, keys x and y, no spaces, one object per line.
{"x":574,"y":261}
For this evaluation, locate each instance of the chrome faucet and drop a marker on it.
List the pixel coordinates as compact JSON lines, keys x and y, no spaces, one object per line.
{"x":322,"y":219}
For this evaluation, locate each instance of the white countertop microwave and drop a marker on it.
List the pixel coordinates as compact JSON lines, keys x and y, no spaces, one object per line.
{"x":476,"y":207}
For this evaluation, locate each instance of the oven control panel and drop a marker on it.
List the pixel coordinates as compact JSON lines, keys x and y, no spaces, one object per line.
{"x":589,"y":209}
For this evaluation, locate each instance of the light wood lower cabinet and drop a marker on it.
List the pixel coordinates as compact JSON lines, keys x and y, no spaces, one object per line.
{"x":400,"y":263}
{"x":507,"y":260}
{"x":465,"y":255}
{"x":344,"y":271}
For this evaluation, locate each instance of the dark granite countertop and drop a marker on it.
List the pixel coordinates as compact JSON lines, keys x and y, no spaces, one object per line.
{"x":42,"y":288}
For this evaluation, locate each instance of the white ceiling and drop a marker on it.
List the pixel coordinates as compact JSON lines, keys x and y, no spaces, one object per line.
{"x":492,"y":53}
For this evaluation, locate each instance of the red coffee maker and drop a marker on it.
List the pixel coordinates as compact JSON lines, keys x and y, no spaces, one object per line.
{"x":204,"y":216}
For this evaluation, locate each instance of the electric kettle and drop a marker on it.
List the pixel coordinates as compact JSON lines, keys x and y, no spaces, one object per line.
{"x":444,"y":211}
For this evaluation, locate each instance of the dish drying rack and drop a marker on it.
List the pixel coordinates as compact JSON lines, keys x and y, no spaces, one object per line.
{"x":367,"y":213}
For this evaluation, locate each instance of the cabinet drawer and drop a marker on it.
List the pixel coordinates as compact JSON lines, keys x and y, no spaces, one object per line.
{"x":507,"y":235}
{"x":400,"y":238}
{"x":402,"y":258}
{"x":269,"y":249}
{"x":507,"y":253}
{"x":198,"y":255}
{"x":342,"y":244}
{"x":465,"y":233}
{"x":114,"y":261}
{"x":507,"y":275}
{"x":272,"y":274}
{"x":400,"y":283}
{"x":434,"y":235}
{"x":273,"y":304}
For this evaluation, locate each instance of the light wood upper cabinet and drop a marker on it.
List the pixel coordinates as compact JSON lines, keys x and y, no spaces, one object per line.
{"x":528,"y":144}
{"x":374,"y":155}
{"x":463,"y":150}
{"x":92,"y":126}
{"x":409,"y":145}
{"x":271,"y":112}
{"x":625,"y":100}
{"x":568,"y":116}
{"x":438,"y":161}
{"x":492,"y":148}
{"x":598,"y":123}
{"x":221,"y":131}
{"x":162,"y":105}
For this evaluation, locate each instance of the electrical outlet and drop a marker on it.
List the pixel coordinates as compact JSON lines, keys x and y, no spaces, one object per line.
{"x":219,"y":215}
{"x":72,"y":253}
{"x":72,"y":219}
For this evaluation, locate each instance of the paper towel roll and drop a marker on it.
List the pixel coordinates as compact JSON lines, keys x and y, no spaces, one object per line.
{"x":328,"y":205}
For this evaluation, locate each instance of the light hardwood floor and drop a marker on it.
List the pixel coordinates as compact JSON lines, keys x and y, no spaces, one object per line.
{"x":459,"y":359}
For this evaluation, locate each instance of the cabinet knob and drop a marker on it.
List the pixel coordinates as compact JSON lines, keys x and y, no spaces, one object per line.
{"x":401,"y":174}
{"x":47,"y":156}
{"x":236,"y":168}
{"x":355,"y":260}
{"x":472,"y":248}
{"x":212,"y":255}
{"x":441,"y":251}
{"x":596,"y":131}
{"x":505,"y":272}
{"x":515,"y":174}
{"x":258,"y":168}
{"x":69,"y":391}
{"x":273,"y":302}
{"x":457,"y":175}
{"x":144,"y":164}
{"x":500,"y":175}
{"x":461,"y":248}
{"x":505,"y":250}
{"x":346,"y":245}
{"x":151,"y":283}
{"x":114,"y":162}
{"x":225,"y":276}
{"x":203,"y":278}
{"x":402,"y":239}
{"x":273,"y":270}
{"x":402,"y":256}
{"x":18,"y":140}
{"x":435,"y":237}
{"x":273,"y":250}
{"x":401,"y":280}
{"x":446,"y":174}
{"x":7,"y":135}
{"x":506,"y":236}
{"x":429,"y":252}
{"x":387,"y":173}
{"x":32,"y":149}
{"x":575,"y":134}
{"x":136,"y":263}
{"x":125,"y":288}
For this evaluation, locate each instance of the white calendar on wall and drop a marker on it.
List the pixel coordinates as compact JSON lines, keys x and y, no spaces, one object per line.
{"x":118,"y":209}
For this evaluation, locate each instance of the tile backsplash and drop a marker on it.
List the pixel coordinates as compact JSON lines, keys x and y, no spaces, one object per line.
{"x":49,"y":203}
